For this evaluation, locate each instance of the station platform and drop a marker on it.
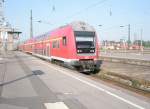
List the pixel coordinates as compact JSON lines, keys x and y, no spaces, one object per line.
{"x":128,"y":58}
{"x":127,"y":55}
{"x":27,"y":82}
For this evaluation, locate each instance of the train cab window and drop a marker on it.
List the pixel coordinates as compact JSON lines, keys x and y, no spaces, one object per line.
{"x":64,"y":41}
{"x":85,"y":41}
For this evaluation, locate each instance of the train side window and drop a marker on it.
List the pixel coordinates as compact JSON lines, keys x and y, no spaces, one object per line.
{"x":55,"y":44}
{"x":58,"y":44}
{"x":64,"y":41}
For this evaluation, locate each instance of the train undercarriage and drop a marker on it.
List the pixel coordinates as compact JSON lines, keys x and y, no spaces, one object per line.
{"x":88,"y":66}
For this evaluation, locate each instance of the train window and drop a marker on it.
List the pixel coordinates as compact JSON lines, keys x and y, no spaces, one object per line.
{"x":55,"y":44}
{"x":85,"y":41}
{"x":64,"y":41}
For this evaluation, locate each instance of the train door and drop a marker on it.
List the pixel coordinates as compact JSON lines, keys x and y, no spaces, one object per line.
{"x":47,"y":49}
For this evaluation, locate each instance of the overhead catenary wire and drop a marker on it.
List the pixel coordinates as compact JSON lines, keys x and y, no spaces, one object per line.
{"x":78,"y":12}
{"x":53,"y":5}
{"x":85,"y":9}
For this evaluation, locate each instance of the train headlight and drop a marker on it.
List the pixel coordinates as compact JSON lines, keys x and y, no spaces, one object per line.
{"x":92,"y":51}
{"x":79,"y":51}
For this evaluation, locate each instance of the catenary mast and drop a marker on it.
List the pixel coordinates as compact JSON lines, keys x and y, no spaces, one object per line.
{"x":3,"y":22}
{"x":2,"y":18}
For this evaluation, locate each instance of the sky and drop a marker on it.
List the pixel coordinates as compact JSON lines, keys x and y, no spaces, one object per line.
{"x":110,"y":14}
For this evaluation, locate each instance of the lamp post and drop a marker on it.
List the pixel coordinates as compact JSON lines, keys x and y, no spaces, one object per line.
{"x":129,"y":31}
{"x":31,"y":25}
{"x":141,"y":41}
{"x":104,"y":41}
{"x":124,"y":44}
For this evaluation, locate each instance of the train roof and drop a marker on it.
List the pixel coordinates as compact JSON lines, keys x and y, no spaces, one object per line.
{"x":81,"y":26}
{"x":76,"y":26}
{"x":42,"y":36}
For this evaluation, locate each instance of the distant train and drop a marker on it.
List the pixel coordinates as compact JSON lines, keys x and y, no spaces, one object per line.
{"x":75,"y":45}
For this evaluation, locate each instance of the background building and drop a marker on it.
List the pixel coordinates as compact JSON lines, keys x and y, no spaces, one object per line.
{"x":9,"y":37}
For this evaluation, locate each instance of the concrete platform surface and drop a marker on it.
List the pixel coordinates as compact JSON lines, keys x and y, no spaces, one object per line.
{"x":28,"y":82}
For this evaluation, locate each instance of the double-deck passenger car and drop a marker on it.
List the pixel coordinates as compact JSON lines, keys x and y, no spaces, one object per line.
{"x":75,"y":44}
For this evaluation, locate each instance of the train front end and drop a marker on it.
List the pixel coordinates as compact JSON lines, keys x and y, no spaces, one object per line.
{"x":87,"y":52}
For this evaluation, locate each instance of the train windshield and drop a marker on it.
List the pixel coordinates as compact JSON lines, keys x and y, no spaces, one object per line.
{"x":85,"y":41}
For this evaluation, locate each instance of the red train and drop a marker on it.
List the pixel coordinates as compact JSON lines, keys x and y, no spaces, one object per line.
{"x":74,"y":45}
